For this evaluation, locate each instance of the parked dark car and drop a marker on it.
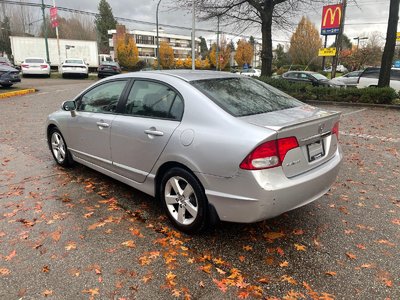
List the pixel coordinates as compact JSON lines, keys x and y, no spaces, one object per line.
{"x":8,"y":76}
{"x":314,"y":78}
{"x":108,"y":68}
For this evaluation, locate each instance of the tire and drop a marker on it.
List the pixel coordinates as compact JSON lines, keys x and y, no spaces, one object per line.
{"x":59,"y":149}
{"x":7,"y":85}
{"x":184,"y":200}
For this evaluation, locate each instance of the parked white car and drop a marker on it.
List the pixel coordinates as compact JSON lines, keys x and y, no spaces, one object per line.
{"x":339,"y":68}
{"x":349,"y":79}
{"x":35,"y":66}
{"x":251,"y":72}
{"x":370,"y":78}
{"x":74,"y":66}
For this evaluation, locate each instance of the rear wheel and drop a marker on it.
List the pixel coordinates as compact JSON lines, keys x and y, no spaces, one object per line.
{"x":59,"y":149}
{"x":184,"y":200}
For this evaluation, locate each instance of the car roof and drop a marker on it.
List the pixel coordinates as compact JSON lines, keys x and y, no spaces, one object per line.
{"x":308,"y":72}
{"x":191,"y":75}
{"x":34,"y":58}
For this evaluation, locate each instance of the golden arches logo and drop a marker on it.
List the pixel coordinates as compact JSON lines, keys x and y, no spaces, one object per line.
{"x":338,"y":9}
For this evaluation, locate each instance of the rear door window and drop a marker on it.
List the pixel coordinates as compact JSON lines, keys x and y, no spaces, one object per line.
{"x":371,"y":73}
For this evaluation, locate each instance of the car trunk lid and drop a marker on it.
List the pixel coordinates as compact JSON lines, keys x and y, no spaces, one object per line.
{"x":312,"y":128}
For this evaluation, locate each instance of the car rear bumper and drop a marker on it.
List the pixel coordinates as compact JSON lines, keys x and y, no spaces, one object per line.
{"x":74,"y":71}
{"x":35,"y":71}
{"x":253,"y":196}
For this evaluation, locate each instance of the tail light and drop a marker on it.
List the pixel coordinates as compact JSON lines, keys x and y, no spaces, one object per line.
{"x":269,"y":155}
{"x":25,"y":66}
{"x":335,"y":130}
{"x":43,"y":66}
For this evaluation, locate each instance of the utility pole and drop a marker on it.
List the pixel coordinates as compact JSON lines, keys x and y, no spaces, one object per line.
{"x":58,"y":40}
{"x":45,"y":32}
{"x":158,"y":37}
{"x":193,"y":37}
{"x":217,"y":48}
{"x":339,"y":40}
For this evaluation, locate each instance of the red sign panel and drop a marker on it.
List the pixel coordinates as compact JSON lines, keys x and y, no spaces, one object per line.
{"x":53,"y":17}
{"x":53,"y":12}
{"x":331,"y":19}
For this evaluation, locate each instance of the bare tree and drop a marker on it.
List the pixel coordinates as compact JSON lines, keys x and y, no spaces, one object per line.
{"x":262,"y":13}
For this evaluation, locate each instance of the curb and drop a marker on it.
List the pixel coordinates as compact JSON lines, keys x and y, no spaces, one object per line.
{"x":17,"y":93}
{"x":390,"y":106}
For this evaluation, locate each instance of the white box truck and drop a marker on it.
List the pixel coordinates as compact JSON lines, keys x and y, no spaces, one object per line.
{"x":23,"y":47}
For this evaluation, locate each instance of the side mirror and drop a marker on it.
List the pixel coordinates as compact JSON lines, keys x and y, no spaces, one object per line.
{"x":69,"y":106}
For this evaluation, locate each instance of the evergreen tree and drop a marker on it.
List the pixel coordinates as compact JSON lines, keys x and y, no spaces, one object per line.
{"x":104,"y":21}
{"x":5,"y":32}
{"x":203,"y":47}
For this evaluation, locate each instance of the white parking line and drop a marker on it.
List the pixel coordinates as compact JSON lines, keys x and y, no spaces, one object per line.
{"x":57,"y":91}
{"x":43,"y":93}
{"x":355,"y":112}
{"x":368,"y":137}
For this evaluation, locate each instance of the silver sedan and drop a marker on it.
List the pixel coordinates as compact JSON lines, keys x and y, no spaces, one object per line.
{"x":211,"y":145}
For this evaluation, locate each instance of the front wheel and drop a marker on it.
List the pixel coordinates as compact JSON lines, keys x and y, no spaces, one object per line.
{"x":7,"y":85}
{"x":184,"y":200}
{"x":59,"y":149}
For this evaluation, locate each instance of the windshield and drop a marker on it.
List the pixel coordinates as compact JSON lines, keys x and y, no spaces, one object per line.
{"x":245,"y":96}
{"x":319,"y":76}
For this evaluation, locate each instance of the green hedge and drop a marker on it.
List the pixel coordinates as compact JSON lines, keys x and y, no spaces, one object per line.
{"x":306,"y":92}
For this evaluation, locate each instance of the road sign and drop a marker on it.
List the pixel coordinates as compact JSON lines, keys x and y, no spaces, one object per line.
{"x":398,"y":37}
{"x":327,"y":52}
{"x":397,"y":64}
{"x":331,"y":19}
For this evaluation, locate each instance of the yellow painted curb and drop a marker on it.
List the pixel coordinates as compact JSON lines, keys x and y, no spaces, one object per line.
{"x":16,"y":93}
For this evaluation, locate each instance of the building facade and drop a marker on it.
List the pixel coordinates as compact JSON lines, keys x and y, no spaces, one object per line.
{"x":146,"y":42}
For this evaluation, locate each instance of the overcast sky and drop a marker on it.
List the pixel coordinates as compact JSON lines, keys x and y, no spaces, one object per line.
{"x":361,"y":20}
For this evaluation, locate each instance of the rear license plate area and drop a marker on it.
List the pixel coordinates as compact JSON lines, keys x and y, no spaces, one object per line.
{"x":315,"y":151}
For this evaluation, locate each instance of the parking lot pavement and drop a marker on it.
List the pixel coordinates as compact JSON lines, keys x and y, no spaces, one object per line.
{"x":76,"y":234}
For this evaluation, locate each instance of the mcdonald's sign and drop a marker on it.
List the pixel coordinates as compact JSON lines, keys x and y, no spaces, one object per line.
{"x":331,"y":18}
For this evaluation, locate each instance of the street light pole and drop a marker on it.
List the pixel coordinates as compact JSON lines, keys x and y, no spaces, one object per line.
{"x":58,"y":39}
{"x":45,"y":32}
{"x":193,"y":37}
{"x":217,"y":49}
{"x":158,"y":42}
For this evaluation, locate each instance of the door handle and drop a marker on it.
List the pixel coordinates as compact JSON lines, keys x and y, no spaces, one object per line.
{"x":153,"y":131}
{"x":103,"y":124}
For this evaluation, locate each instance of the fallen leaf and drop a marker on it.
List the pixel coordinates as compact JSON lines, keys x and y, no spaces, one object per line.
{"x":263,"y":280}
{"x":91,"y":292}
{"x":271,"y":236}
{"x":298,"y":232}
{"x":170,"y":276}
{"x":351,"y":255}
{"x":243,"y":295}
{"x":206,"y":268}
{"x":247,"y":248}
{"x":70,"y":246}
{"x":46,"y":293}
{"x":220,"y":271}
{"x":284,"y":264}
{"x":396,"y":221}
{"x":220,"y":285}
{"x":56,"y":235}
{"x":45,"y":269}
{"x":4,"y":271}
{"x":242,"y":258}
{"x":361,"y":246}
{"x":11,"y":255}
{"x":300,"y":247}
{"x":331,"y":273}
{"x":289,"y":279}
{"x":130,"y":244}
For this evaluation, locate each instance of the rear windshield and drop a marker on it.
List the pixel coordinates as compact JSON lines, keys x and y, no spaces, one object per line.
{"x":245,"y":96}
{"x":74,"y":61}
{"x":34,"y":60}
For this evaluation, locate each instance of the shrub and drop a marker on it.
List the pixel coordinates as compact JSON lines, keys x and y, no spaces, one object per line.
{"x":306,"y":92}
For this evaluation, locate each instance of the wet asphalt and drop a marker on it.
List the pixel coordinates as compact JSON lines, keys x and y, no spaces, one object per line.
{"x":77,"y":234}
